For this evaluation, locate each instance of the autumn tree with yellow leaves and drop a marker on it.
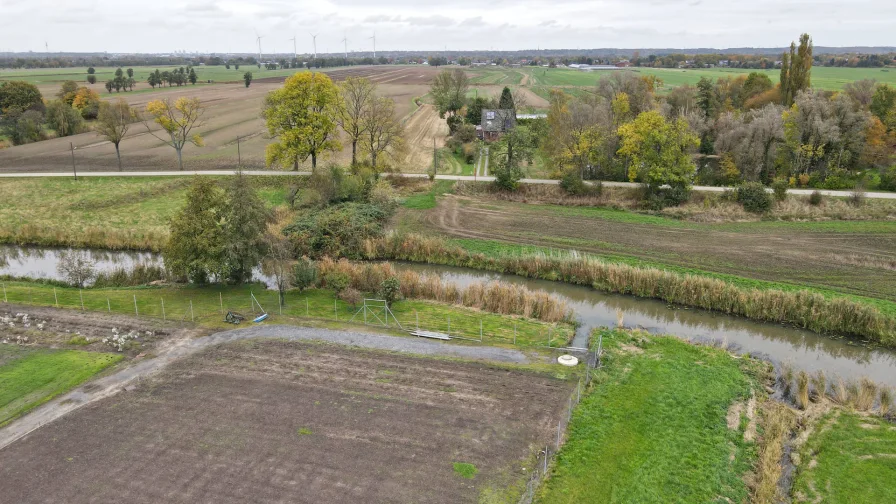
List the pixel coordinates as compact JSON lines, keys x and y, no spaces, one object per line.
{"x":178,"y":120}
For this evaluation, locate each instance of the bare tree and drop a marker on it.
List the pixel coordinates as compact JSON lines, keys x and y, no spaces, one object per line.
{"x":520,"y":99}
{"x":278,"y":262}
{"x":76,"y":267}
{"x":383,"y":131}
{"x":357,"y":95}
{"x":113,"y":123}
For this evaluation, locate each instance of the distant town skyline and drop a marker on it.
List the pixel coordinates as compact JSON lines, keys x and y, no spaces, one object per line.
{"x":164,"y":26}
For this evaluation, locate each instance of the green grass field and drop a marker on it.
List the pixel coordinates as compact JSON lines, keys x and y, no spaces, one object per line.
{"x":830,"y":78}
{"x":204,"y":305}
{"x":653,"y":429}
{"x":39,"y":76}
{"x":29,"y":378}
{"x":848,"y":459}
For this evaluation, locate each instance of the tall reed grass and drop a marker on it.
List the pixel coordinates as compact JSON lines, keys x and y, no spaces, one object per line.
{"x":802,"y":390}
{"x":139,"y":274}
{"x":496,"y":297}
{"x":801,"y":308}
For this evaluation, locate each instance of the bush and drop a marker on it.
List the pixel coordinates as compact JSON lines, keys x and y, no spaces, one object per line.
{"x":815,"y":198}
{"x":469,"y":152}
{"x":658,"y":198}
{"x":351,"y":296}
{"x":888,"y":179}
{"x":383,"y":194}
{"x":836,"y":181}
{"x":454,"y":122}
{"x":856,"y":198}
{"x":304,"y":274}
{"x":338,"y":230}
{"x":140,"y":274}
{"x":336,"y":280}
{"x":779,"y":186}
{"x":390,"y":290}
{"x":575,"y":186}
{"x":754,"y":198}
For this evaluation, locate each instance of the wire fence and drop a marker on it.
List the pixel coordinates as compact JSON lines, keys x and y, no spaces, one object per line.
{"x":547,"y":457}
{"x":211,"y":305}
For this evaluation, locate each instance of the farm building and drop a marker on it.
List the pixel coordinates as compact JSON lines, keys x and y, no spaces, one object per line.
{"x":495,"y":122}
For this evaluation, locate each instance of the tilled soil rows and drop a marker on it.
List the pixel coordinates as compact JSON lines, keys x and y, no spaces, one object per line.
{"x":274,"y":421}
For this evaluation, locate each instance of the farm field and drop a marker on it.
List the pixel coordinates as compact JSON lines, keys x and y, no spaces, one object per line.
{"x":30,"y":377}
{"x":232,"y":111}
{"x":854,"y":258}
{"x":305,"y":422}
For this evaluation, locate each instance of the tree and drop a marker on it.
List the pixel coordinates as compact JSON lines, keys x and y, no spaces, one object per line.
{"x":244,"y":225}
{"x":390,"y":290}
{"x":514,"y":146}
{"x":153,"y":80}
{"x":178,"y":120}
{"x":91,"y":70}
{"x":109,"y":86}
{"x":227,"y":66}
{"x":302,"y":116}
{"x":706,"y":97}
{"x":796,"y":69}
{"x":67,"y":91}
{"x":659,"y":151}
{"x":18,"y":96}
{"x":236,"y":66}
{"x":24,"y":127}
{"x":639,"y":91}
{"x":196,"y":242}
{"x":278,"y":262}
{"x":304,"y":274}
{"x":475,"y":108}
{"x":356,"y":97}
{"x":192,"y":77}
{"x":506,"y":100}
{"x":861,"y":92}
{"x":752,"y":140}
{"x":382,"y":131}
{"x":883,"y":105}
{"x":91,"y":79}
{"x":755,"y":84}
{"x":247,"y":78}
{"x":76,"y":267}
{"x":449,"y":90}
{"x":63,"y":118}
{"x":130,"y":73}
{"x":87,"y":102}
{"x":113,"y":122}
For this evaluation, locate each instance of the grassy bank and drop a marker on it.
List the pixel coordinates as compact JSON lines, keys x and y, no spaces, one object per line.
{"x":100,"y":212}
{"x":653,"y":428}
{"x":207,"y":305}
{"x":29,"y":378}
{"x":848,"y":458}
{"x":802,"y":308}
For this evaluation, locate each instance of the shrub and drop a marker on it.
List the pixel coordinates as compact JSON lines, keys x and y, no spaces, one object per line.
{"x":469,"y":152}
{"x":754,"y":198}
{"x":856,"y":198}
{"x":390,"y":290}
{"x":803,"y":179}
{"x":815,"y":198}
{"x":304,"y":274}
{"x":140,"y":274}
{"x":658,"y":198}
{"x":779,"y":186}
{"x":338,"y":230}
{"x":383,"y":194}
{"x":351,"y":296}
{"x":888,"y":179}
{"x":336,"y":280}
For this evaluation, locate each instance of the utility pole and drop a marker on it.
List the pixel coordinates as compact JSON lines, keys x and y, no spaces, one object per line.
{"x":75,"y":170}
{"x":239,"y":159}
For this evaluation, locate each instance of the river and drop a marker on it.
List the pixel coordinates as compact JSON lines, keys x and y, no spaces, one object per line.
{"x":804,"y":349}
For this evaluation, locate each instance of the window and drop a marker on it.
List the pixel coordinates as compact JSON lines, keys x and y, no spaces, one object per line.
{"x":490,"y":114}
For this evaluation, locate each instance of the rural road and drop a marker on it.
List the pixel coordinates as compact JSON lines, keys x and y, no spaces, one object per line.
{"x":470,"y":178}
{"x":111,"y":384}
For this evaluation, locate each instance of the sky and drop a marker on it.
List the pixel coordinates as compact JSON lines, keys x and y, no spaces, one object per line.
{"x":160,"y":26}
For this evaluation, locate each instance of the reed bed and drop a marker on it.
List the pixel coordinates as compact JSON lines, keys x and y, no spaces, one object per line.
{"x":87,"y":237}
{"x":139,"y":274}
{"x":495,"y":297}
{"x":802,"y":390}
{"x":801,"y":308}
{"x":777,"y":422}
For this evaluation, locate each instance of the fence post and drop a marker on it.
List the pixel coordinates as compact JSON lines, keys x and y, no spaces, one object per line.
{"x":31,"y":295}
{"x":306,"y":307}
{"x":163,"y":309}
{"x":81,"y":295}
{"x":335,"y":311}
{"x":55,"y":297}
{"x":480,"y":330}
{"x":449,"y":325}
{"x":191,"y":311}
{"x":221,"y":300}
{"x":514,"y":333}
{"x":559,"y":423}
{"x":136,"y":313}
{"x":4,"y":294}
{"x":417,"y":316}
{"x":108,"y":305}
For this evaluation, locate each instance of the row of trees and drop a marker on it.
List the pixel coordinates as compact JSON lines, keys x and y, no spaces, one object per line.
{"x":177,"y":77}
{"x":305,"y":116}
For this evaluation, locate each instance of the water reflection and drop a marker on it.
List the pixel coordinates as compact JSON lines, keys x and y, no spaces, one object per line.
{"x":37,"y":262}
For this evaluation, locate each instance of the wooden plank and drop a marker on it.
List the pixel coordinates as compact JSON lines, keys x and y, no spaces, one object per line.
{"x":431,"y":334}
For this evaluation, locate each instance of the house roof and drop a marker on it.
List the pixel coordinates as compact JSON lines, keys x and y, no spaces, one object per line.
{"x":498,"y":119}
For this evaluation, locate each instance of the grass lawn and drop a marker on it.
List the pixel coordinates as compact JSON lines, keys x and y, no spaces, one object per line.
{"x":848,"y":458}
{"x":427,"y":200}
{"x":113,"y":212}
{"x":31,"y":377}
{"x":204,"y":305}
{"x":653,"y":428}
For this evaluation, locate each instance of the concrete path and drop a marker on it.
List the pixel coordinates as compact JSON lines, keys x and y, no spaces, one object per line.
{"x":470,"y":178}
{"x":111,"y":384}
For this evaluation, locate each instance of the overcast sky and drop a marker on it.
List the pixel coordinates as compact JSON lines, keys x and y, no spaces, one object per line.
{"x":230,"y":25}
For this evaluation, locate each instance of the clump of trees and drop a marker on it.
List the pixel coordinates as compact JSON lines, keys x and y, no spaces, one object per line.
{"x":219,"y":234}
{"x":121,"y":81}
{"x":176,"y":77}
{"x":25,"y":117}
{"x":305,"y":115}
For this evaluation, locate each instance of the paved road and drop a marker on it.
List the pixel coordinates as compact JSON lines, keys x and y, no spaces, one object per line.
{"x":111,"y":384}
{"x":471,"y":178}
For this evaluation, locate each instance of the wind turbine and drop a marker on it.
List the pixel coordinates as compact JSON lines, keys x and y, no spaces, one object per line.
{"x":345,"y":41}
{"x":374,"y":44}
{"x":314,"y":41}
{"x":258,"y":39}
{"x":294,"y":50}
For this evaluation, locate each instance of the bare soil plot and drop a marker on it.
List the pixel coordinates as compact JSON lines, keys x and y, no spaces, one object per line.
{"x":270,"y":421}
{"x":854,"y":262}
{"x":232,"y":111}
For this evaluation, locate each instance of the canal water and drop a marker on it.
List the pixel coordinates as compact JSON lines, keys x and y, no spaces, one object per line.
{"x":804,"y":349}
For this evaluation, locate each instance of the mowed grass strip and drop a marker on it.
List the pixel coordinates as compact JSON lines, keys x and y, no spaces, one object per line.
{"x":653,"y":428}
{"x":207,"y":306}
{"x":37,"y":376}
{"x":848,"y":459}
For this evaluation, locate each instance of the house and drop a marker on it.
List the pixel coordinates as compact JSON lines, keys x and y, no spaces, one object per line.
{"x":495,"y":122}
{"x":624,"y":64}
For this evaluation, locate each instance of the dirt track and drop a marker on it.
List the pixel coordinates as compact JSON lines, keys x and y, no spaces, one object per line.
{"x":846,"y":261}
{"x":274,"y":421}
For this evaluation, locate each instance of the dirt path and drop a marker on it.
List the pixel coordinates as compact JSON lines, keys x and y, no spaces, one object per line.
{"x":178,"y":349}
